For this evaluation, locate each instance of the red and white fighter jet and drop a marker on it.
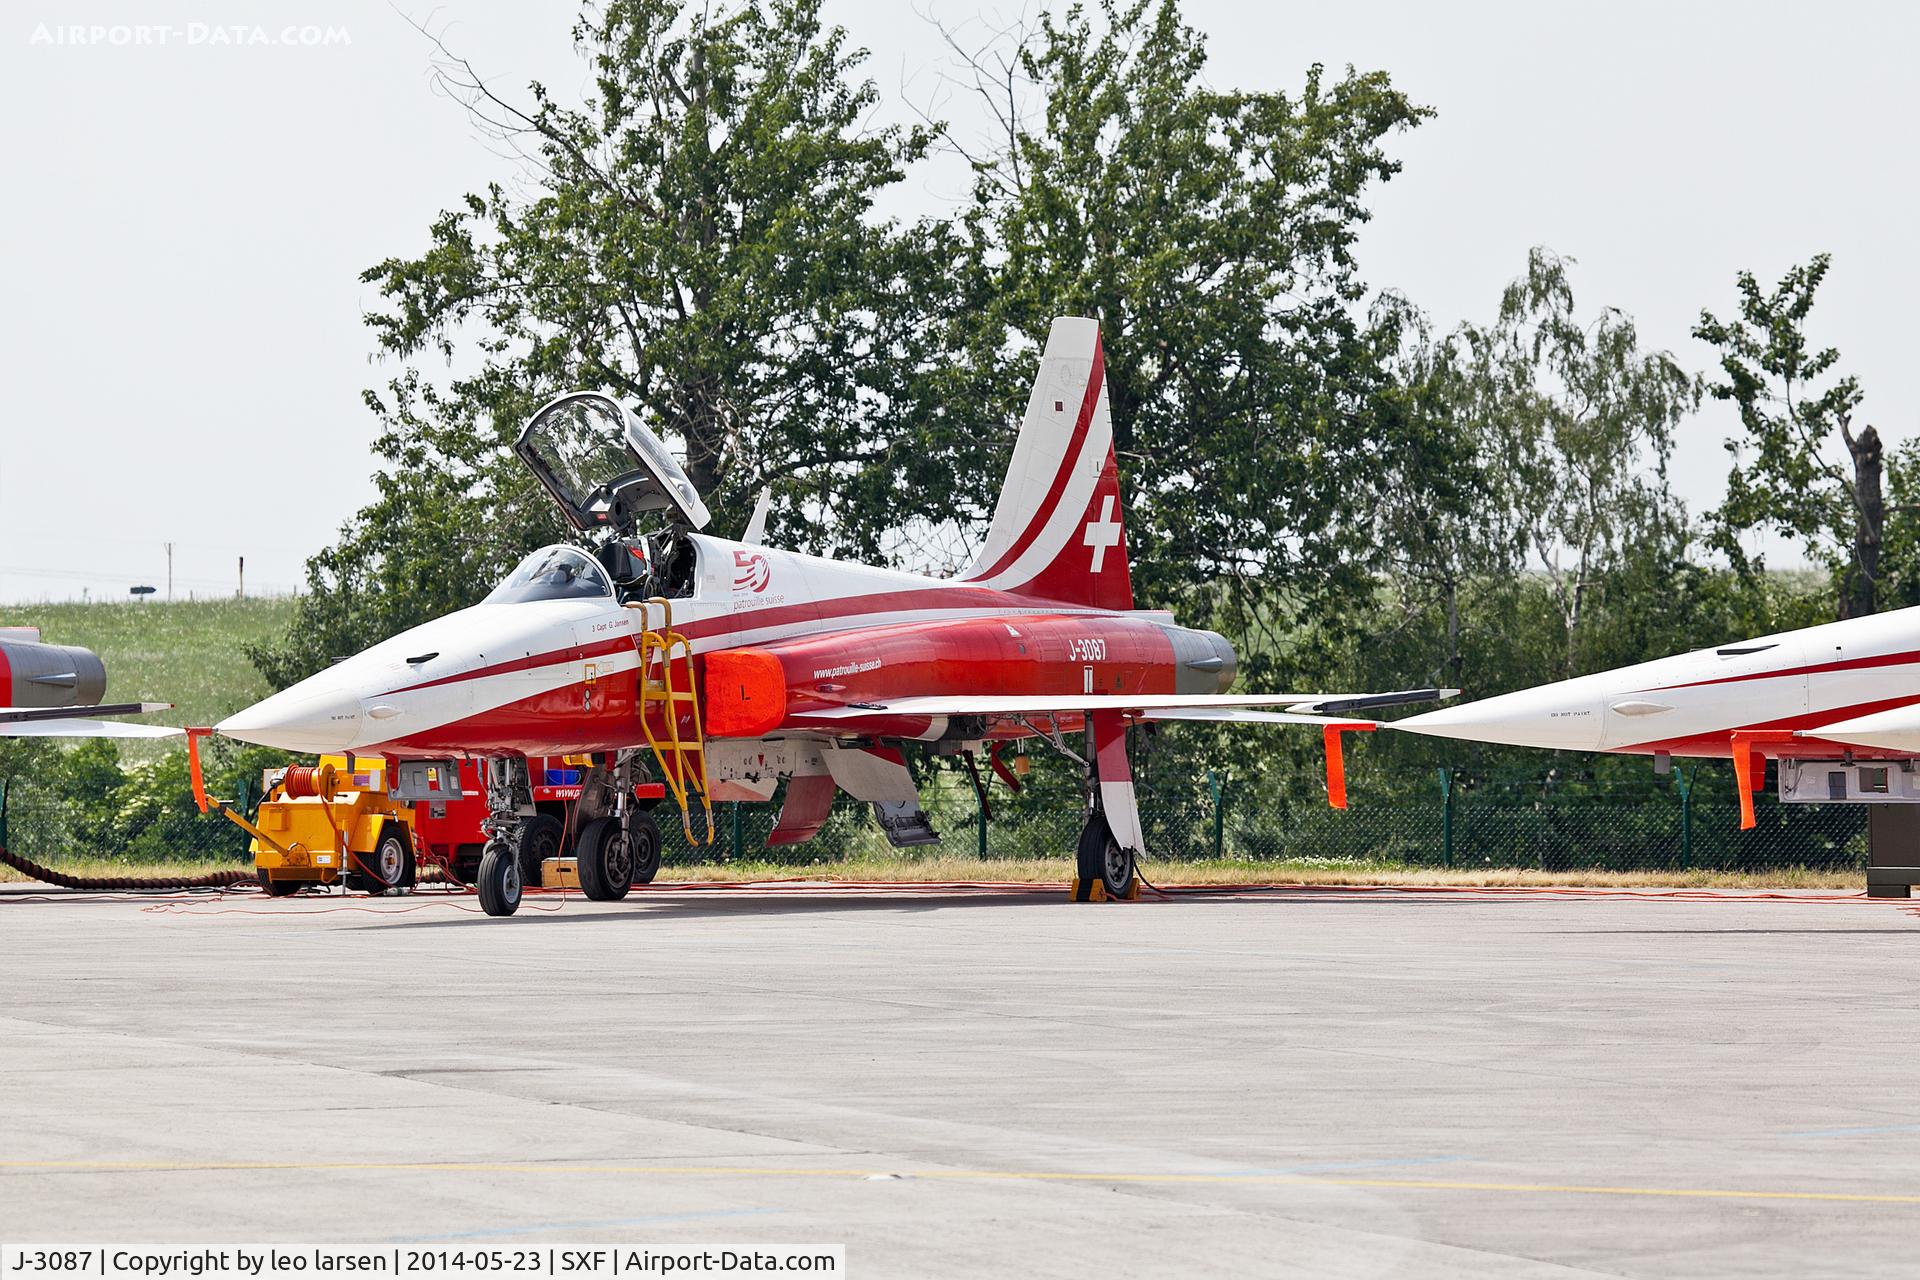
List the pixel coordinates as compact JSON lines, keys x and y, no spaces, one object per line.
{"x":737,"y":664}
{"x":1838,"y":704}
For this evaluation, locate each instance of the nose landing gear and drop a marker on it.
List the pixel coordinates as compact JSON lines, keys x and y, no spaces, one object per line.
{"x":509,"y":809}
{"x":499,"y":879}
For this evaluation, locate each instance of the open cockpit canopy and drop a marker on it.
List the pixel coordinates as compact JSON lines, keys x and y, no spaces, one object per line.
{"x":603,"y":467}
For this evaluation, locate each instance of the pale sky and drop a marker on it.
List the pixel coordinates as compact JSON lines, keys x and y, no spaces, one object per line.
{"x":186,"y":220}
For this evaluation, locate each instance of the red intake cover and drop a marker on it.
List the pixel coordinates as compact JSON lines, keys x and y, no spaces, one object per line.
{"x":746,"y":693}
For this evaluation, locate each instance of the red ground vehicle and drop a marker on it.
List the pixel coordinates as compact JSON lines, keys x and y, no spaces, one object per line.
{"x":448,"y":832}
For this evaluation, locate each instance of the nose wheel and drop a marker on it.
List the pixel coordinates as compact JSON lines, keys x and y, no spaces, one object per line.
{"x":510,"y":821}
{"x":499,"y":879}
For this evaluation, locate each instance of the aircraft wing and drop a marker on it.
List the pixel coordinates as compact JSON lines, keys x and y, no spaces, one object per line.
{"x":78,"y":722}
{"x":1273,"y":708}
{"x":1323,"y":709}
{"x":1240,"y":715}
{"x":77,"y":728}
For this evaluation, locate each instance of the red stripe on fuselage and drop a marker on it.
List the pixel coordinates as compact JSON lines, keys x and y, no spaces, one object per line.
{"x":846,"y":610}
{"x":1910,"y":657}
{"x":1716,"y":742}
{"x":1065,"y":472}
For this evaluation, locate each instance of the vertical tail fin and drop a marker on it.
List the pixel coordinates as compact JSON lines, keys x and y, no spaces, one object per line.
{"x":1059,"y":532}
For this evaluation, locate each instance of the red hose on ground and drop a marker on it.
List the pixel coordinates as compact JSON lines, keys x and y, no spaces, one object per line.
{"x":206,"y":880}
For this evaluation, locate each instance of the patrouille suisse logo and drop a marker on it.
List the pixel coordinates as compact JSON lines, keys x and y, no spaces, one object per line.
{"x":750,"y":571}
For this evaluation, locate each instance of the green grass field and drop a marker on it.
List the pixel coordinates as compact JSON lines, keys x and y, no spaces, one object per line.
{"x":189,"y":654}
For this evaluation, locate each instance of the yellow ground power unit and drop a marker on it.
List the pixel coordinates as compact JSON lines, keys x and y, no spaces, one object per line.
{"x":322,"y":823}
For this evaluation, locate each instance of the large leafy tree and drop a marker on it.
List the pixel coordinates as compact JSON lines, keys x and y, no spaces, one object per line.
{"x":697,"y":235}
{"x":1212,"y":232}
{"x":1576,"y":423}
{"x":1534,"y":447}
{"x":1447,"y":531}
{"x":1898,"y":586}
{"x":1794,"y":411}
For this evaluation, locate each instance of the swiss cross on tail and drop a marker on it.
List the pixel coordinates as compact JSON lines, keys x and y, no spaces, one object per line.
{"x":1057,"y":531}
{"x":1103,"y":533}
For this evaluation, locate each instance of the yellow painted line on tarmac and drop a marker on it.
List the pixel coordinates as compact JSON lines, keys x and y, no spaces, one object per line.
{"x":941,"y":1175}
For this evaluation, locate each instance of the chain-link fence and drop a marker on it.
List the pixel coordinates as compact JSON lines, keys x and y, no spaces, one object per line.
{"x":1686,"y":821}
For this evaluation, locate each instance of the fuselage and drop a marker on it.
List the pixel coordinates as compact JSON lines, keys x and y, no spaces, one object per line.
{"x":1690,"y":704}
{"x":561,"y":675}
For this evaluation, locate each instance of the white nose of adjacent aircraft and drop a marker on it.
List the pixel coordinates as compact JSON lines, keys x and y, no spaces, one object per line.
{"x":321,"y":715}
{"x":1556,"y":716}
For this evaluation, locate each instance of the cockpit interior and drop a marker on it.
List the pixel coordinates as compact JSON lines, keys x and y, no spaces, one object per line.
{"x":606,"y":470}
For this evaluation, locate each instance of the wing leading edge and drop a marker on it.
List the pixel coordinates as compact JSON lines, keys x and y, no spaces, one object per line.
{"x":79,"y":722}
{"x":1257,"y":708}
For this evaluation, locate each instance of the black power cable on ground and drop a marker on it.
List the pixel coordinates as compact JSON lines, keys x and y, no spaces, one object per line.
{"x":205,"y":880}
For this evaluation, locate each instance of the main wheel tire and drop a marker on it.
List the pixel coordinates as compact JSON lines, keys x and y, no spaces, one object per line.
{"x":1116,"y":871}
{"x":279,"y":888}
{"x":389,"y":868}
{"x":1102,"y":860}
{"x":603,"y":858}
{"x":499,"y":880}
{"x":643,"y":836}
{"x":538,"y":839}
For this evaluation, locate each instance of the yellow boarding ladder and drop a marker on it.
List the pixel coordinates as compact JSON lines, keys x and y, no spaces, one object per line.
{"x":682,"y":760}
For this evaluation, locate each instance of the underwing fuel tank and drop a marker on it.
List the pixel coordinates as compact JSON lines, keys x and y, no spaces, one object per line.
{"x":49,"y":675}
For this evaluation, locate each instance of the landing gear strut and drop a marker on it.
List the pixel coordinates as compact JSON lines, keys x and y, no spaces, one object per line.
{"x":1112,"y":832}
{"x":619,"y":844}
{"x":509,"y":807}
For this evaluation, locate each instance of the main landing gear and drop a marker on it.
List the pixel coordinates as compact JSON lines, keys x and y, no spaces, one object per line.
{"x":615,"y":853}
{"x":618,"y":845}
{"x":1103,"y":862}
{"x":1111,"y":836}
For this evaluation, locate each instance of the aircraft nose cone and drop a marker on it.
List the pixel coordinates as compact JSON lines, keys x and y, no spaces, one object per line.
{"x":1558,"y":716}
{"x":320,"y":720}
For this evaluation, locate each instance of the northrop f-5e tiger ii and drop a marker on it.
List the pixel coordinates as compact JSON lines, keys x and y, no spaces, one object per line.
{"x":732,"y":665}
